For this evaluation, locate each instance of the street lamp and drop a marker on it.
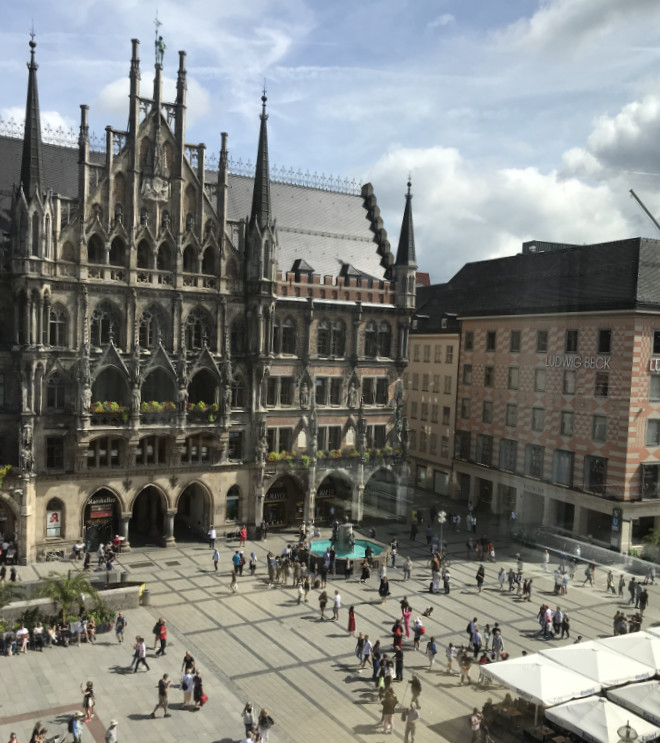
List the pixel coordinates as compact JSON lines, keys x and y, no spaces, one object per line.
{"x":626,"y":733}
{"x":442,"y":517}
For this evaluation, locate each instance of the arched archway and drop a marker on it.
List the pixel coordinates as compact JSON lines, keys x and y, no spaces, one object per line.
{"x":101,"y":517}
{"x":147,"y":524}
{"x":284,"y":502}
{"x":334,"y":498}
{"x":193,"y":514}
{"x":380,"y":494}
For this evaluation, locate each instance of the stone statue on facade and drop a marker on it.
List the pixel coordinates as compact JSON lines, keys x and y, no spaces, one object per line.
{"x":304,"y":395}
{"x":85,"y":399}
{"x":352,"y":396}
{"x":182,"y":399}
{"x":160,"y":50}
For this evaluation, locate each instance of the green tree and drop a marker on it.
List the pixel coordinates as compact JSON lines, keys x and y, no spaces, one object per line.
{"x":652,"y":542}
{"x":65,"y":591}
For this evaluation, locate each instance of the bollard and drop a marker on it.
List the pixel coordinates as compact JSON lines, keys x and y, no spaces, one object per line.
{"x":146,"y":597}
{"x":123,"y":578}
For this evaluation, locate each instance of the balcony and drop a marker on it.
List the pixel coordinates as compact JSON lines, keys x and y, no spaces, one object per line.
{"x":108,"y":414}
{"x":153,"y":413}
{"x":203,"y":413}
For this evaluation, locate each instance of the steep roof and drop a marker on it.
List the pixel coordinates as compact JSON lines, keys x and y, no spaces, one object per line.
{"x":31,"y":168}
{"x":620,"y":275}
{"x":405,"y":254}
{"x":327,"y":228}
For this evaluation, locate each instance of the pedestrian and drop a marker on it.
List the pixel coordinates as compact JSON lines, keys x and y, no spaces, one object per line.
{"x":450,"y":654}
{"x":383,"y":589}
{"x":13,"y":738}
{"x":389,"y":706}
{"x":306,"y":588}
{"x":413,"y":531}
{"x":446,"y":580}
{"x":156,"y":632}
{"x":481,"y":574}
{"x":188,"y":663}
{"x":610,"y":582}
{"x":465,"y":662}
{"x":565,"y":626}
{"x":477,"y":641}
{"x":248,"y":719}
{"x":431,"y":652}
{"x":75,"y":728}
{"x":393,"y":555}
{"x":89,"y":700}
{"x":351,"y":621}
{"x":216,"y":559}
{"x":323,"y":602}
{"x":475,"y":725}
{"x":198,"y":691}
{"x":407,"y":568}
{"x":120,"y":627}
{"x":366,"y":652}
{"x":546,"y":561}
{"x":631,"y":590}
{"x":163,"y":639}
{"x":643,"y":601}
{"x":501,"y":578}
{"x":487,"y":634}
{"x":265,"y":722}
{"x":407,"y":613}
{"x":264,"y":530}
{"x":141,"y":651}
{"x":232,"y":582}
{"x":336,"y":606}
{"x":187,"y":686}
{"x":415,"y":690}
{"x":498,"y":644}
{"x":412,"y":717}
{"x":398,"y":664}
{"x":622,"y":584}
{"x":111,"y":732}
{"x":212,"y":535}
{"x":253,"y":563}
{"x":163,"y":690}
{"x":242,"y":536}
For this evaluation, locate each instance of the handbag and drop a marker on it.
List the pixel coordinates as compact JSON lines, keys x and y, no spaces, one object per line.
{"x":203,"y":700}
{"x":404,"y":715}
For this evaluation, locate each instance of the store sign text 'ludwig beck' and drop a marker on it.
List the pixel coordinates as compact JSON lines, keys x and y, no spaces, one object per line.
{"x":578,"y":362}
{"x":654,"y":366}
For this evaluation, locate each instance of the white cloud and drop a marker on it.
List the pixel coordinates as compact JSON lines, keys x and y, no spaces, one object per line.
{"x":442,"y":20}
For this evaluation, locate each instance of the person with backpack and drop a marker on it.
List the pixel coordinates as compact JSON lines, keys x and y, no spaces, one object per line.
{"x":265,"y":723}
{"x":75,"y":726}
{"x":187,"y":685}
{"x":120,"y":627}
{"x":431,"y":652}
{"x":163,"y":638}
{"x":156,"y":632}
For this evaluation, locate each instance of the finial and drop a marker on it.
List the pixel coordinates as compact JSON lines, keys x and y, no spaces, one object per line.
{"x":159,"y":44}
{"x":409,"y":182}
{"x":264,"y":97}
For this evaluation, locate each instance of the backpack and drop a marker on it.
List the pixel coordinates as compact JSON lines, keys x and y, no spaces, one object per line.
{"x":70,"y":725}
{"x":422,"y":631}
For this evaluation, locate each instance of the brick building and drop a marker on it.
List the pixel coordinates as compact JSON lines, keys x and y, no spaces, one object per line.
{"x":184,"y":347}
{"x":558,"y":388}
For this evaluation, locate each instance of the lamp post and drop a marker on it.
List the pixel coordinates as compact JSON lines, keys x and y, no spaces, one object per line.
{"x":442,"y":517}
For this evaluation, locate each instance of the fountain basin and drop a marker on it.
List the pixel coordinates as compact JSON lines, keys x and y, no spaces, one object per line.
{"x":319,"y":547}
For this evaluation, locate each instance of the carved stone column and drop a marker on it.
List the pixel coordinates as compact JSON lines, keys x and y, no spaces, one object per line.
{"x":169,"y":528}
{"x":123,"y":531}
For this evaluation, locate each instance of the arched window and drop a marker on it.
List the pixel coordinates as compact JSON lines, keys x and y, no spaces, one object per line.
{"x":153,"y":327}
{"x":117,"y":252}
{"x":95,"y":250}
{"x":144,"y":255}
{"x":208,"y":262}
{"x":105,"y":325}
{"x":54,"y":518}
{"x":57,"y":327}
{"x":370,"y":340}
{"x":55,"y":392}
{"x":189,"y":260}
{"x":323,"y":338}
{"x":164,"y":260}
{"x":384,"y":339}
{"x":338,"y":338}
{"x":198,"y":330}
{"x":238,"y":392}
{"x":237,"y":337}
{"x":288,"y":336}
{"x":35,"y":234}
{"x":48,"y":238}
{"x":232,"y":502}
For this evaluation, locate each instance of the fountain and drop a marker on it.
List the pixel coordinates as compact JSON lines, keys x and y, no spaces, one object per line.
{"x":345,"y":544}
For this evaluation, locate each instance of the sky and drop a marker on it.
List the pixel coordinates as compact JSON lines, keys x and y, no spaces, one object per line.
{"x":516,"y":119}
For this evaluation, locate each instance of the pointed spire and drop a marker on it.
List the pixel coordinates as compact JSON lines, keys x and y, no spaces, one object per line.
{"x":261,"y":196}
{"x":405,"y":255}
{"x":31,"y":163}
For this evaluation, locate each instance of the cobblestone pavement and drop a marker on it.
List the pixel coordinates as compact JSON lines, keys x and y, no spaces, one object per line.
{"x":258,"y":644}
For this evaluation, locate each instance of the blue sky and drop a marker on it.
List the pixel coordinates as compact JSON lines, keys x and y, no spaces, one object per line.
{"x":518,"y":119}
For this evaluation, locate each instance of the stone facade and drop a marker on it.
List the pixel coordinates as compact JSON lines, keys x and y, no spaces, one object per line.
{"x":163,"y":370}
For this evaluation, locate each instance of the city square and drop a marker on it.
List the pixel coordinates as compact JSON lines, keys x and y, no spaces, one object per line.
{"x":260,"y":645}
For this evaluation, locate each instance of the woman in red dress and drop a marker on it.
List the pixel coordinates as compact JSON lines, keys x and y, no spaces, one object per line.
{"x":351,"y":621}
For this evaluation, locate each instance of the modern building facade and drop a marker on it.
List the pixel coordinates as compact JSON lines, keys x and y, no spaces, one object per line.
{"x":183,"y":347}
{"x":558,"y":388}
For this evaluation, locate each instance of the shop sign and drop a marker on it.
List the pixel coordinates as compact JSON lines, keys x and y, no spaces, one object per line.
{"x":100,"y":512}
{"x":327,"y":491}
{"x":570,"y":361}
{"x":102,"y":500}
{"x":276,"y":494}
{"x":53,"y":523}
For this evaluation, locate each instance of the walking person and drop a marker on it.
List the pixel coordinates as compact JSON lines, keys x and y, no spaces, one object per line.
{"x":188,"y":663}
{"x":156,"y":632}
{"x":233,"y":585}
{"x":407,"y":568}
{"x":111,"y":732}
{"x":412,"y":717}
{"x":75,"y":728}
{"x":120,"y":627}
{"x":389,"y":706}
{"x":216,"y":559}
{"x":265,"y":723}
{"x":610,"y":582}
{"x":481,"y":575}
{"x":89,"y":700}
{"x":163,"y":639}
{"x":546,"y":561}
{"x":141,"y":651}
{"x":249,"y":719}
{"x":351,"y":621}
{"x":187,"y":686}
{"x":383,"y":589}
{"x":212,"y":535}
{"x":622,"y":585}
{"x":367,"y":652}
{"x":163,"y":691}
{"x":475,"y":725}
{"x":336,"y":606}
{"x":198,"y":691}
{"x":253,"y":563}
{"x":323,"y":602}
{"x":431,"y":652}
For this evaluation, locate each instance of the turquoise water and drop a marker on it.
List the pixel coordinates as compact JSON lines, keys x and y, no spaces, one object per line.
{"x":319,"y":547}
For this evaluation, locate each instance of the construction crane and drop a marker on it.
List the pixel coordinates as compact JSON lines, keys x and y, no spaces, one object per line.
{"x":646,"y":211}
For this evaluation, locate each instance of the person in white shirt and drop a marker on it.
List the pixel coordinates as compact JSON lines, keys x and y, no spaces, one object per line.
{"x":336,"y":606}
{"x":22,"y":637}
{"x":212,"y":535}
{"x":187,"y":688}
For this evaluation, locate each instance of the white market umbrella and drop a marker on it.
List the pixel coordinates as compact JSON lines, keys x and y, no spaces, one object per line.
{"x":597,"y":720}
{"x":540,"y":681}
{"x":599,"y":663}
{"x":643,"y":699}
{"x":640,"y":646}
